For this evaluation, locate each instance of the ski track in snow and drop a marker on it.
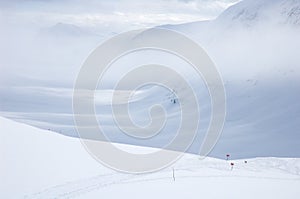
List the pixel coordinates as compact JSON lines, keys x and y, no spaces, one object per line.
{"x":78,"y":188}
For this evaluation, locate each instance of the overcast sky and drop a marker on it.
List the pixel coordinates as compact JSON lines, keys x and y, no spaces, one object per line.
{"x":94,"y":13}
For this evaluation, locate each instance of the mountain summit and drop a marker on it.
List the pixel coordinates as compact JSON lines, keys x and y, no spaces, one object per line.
{"x":253,"y":12}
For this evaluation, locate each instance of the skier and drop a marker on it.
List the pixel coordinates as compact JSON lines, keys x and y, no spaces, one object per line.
{"x":231,"y":164}
{"x":227,"y":156}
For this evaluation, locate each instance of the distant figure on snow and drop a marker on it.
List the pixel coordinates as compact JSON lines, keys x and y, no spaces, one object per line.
{"x":231,"y":164}
{"x":173,"y":101}
{"x":174,"y":97}
{"x":227,"y":156}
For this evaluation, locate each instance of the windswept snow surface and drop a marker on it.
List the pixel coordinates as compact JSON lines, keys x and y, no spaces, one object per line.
{"x":40,"y":164}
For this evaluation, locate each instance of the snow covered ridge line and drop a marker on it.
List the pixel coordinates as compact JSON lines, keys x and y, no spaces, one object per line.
{"x":248,"y":14}
{"x":256,"y":12}
{"x":141,"y":76}
{"x":39,"y":164}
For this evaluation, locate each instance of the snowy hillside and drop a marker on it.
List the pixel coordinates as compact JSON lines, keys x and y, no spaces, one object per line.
{"x":254,"y":12}
{"x":40,"y":164}
{"x":244,"y":16}
{"x":254,"y":44}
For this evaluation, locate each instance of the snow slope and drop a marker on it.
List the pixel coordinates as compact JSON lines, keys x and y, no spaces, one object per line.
{"x":40,"y":164}
{"x":255,"y":45}
{"x":254,"y":12}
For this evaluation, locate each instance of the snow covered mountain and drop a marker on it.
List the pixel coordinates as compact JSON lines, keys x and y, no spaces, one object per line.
{"x":66,"y":30}
{"x":37,"y":163}
{"x":245,"y":16}
{"x":255,"y":12}
{"x":255,"y":45}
